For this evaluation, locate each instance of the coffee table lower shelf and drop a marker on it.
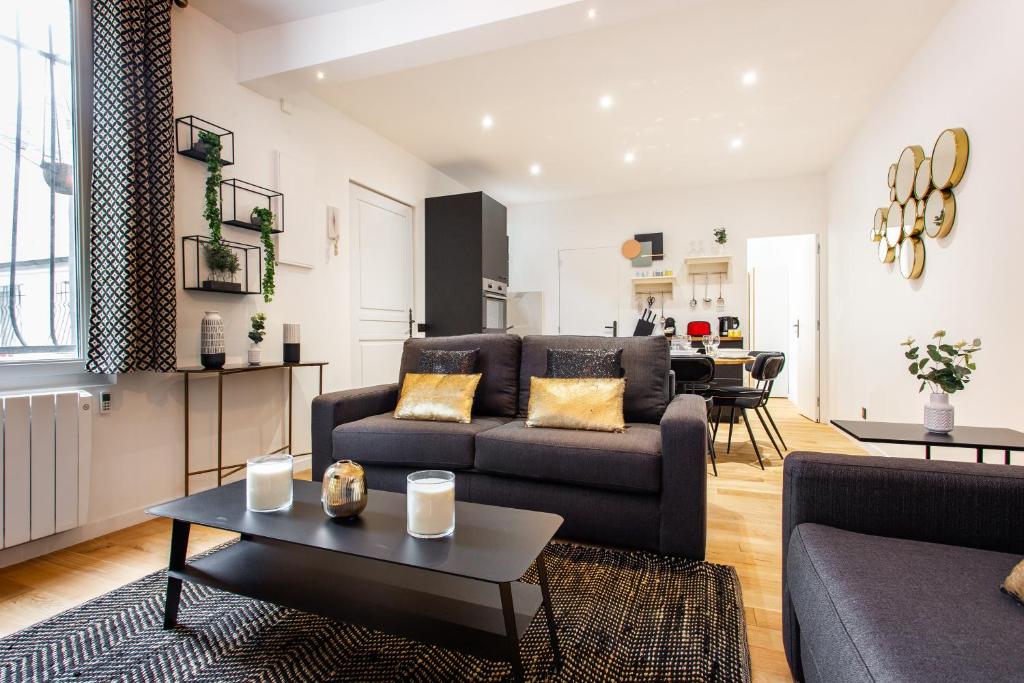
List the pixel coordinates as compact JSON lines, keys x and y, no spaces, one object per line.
{"x":430,"y":607}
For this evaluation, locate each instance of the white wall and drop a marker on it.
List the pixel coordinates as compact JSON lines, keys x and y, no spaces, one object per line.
{"x":138,"y":449}
{"x":754,"y":209}
{"x":968,"y":73}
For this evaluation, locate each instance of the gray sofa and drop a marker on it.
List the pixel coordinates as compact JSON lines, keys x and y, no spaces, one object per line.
{"x":892,"y":568}
{"x":643,"y":488}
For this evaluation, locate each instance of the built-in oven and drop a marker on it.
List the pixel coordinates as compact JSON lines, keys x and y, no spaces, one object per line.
{"x":495,"y":295}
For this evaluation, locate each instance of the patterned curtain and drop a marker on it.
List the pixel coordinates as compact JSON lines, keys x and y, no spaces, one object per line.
{"x":132,"y":317}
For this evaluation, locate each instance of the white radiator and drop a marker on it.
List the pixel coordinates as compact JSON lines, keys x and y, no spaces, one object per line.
{"x":47,"y":453}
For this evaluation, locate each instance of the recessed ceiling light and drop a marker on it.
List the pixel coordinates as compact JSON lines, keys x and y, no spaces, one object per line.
{"x":629,"y":157}
{"x":487,"y":122}
{"x":319,"y":75}
{"x":749,"y":77}
{"x":591,"y":13}
{"x":736,"y":143}
{"x":535,"y":169}
{"x":606,"y":101}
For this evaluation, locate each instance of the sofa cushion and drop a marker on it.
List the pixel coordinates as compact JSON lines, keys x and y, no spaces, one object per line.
{"x":625,"y":461}
{"x":497,"y":361}
{"x":383,"y":440}
{"x":645,"y":361}
{"x":872,"y":608}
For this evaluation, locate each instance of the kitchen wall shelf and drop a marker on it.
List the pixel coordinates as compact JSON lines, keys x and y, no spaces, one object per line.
{"x":708,"y":265}
{"x":196,"y":275}
{"x":239,"y":197}
{"x":186,"y":139}
{"x":655,"y":284}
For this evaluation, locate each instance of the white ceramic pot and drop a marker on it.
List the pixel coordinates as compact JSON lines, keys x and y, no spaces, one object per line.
{"x":938,"y":414}
{"x":255,"y":354}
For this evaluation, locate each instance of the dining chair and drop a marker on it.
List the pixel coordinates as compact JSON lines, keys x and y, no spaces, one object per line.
{"x":749,"y":367}
{"x":765,"y":369}
{"x":693,"y":375}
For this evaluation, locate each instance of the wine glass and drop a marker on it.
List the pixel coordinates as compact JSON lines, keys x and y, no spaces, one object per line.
{"x":715,"y":342}
{"x":706,"y":343}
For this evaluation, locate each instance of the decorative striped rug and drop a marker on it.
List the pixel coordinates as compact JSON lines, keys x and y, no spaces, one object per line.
{"x":621,"y":615}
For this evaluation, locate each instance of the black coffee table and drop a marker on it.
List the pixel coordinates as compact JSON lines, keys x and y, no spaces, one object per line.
{"x":460,"y":592}
{"x":980,"y":439}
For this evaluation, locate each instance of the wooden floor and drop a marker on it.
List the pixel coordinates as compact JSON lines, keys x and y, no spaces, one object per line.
{"x":744,"y":527}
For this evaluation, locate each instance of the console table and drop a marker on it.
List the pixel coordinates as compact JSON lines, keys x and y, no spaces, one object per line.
{"x":978,"y":438}
{"x":221,"y":469}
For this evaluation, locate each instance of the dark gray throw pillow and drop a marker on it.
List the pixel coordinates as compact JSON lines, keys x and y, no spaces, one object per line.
{"x":576,"y":363}
{"x":447,"y":362}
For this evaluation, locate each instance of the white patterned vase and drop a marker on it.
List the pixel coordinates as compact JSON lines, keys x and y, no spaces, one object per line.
{"x":938,"y":414}
{"x":255,"y":354}
{"x":211,"y":341}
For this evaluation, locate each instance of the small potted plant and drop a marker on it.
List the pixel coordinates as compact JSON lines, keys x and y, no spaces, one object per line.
{"x":720,"y":239}
{"x":256,"y":334}
{"x":946,"y":369}
{"x":223,"y":264}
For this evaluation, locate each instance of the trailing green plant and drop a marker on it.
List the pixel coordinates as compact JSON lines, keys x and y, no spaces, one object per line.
{"x":220,"y":258}
{"x":945,"y":367}
{"x":258,"y":331}
{"x":720,"y":236}
{"x":266,"y":218}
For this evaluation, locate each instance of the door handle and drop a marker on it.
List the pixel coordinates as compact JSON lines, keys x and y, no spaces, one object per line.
{"x":411,"y":322}
{"x":614,"y":327}
{"x":797,"y":326}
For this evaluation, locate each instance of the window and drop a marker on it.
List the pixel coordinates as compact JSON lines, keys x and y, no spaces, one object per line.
{"x":40,"y":287}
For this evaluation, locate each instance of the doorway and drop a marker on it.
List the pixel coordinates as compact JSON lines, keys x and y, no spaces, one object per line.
{"x":381,"y":264}
{"x":783,"y":274}
{"x":588,"y":291}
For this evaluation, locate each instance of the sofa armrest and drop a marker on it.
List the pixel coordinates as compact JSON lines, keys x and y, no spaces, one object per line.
{"x":339,"y":407}
{"x":955,"y":503}
{"x":684,"y":445}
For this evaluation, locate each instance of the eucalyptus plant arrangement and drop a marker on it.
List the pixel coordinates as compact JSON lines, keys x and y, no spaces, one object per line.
{"x":265,"y":218}
{"x":220,"y":259}
{"x":944,"y":367}
{"x":720,"y":236}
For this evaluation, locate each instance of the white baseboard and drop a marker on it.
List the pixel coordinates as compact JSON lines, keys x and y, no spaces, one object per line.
{"x":87,"y":532}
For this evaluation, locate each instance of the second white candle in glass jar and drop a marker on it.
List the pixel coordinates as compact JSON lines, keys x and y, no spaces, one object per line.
{"x":430,"y":503}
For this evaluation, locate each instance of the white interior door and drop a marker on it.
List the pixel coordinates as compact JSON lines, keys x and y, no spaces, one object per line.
{"x":588,"y":290}
{"x":804,"y":327}
{"x":770,"y":317}
{"x":382,"y":284}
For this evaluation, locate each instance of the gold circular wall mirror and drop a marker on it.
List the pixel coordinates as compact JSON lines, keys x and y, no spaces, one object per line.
{"x":911,"y":258}
{"x":894,"y":225}
{"x":923,"y":180}
{"x":949,"y":158}
{"x":912,"y":223}
{"x":939,"y":213}
{"x":892,"y":195}
{"x":886,"y":254}
{"x":892,"y":175}
{"x":906,"y":172}
{"x":879,"y":225}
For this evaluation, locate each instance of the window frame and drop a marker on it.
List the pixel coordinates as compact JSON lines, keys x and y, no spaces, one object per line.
{"x":39,"y":374}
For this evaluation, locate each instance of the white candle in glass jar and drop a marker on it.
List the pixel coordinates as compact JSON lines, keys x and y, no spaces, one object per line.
{"x":268,"y":482}
{"x":430,"y":503}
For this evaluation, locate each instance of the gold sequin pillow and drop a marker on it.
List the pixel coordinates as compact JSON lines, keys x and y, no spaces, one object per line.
{"x":438,"y":398}
{"x":1014,"y":584}
{"x":592,"y":403}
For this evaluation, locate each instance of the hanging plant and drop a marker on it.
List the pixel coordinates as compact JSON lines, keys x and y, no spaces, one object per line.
{"x":220,"y":259}
{"x":265,"y":219}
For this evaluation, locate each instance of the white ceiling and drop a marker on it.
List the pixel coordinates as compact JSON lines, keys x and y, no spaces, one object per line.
{"x":673,"y":67}
{"x":679,"y":102}
{"x":248,"y":15}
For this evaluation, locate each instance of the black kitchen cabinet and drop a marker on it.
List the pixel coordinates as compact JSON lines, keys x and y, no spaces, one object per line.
{"x":466,"y":242}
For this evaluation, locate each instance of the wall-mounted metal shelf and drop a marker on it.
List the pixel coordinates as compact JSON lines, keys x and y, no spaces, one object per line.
{"x":187,"y":142}
{"x":238,"y":198}
{"x":197,"y":276}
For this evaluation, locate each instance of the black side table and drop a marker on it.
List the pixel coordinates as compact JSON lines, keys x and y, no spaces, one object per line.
{"x":978,"y":438}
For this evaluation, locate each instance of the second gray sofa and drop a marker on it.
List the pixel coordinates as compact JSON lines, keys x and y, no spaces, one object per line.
{"x":643,"y":488}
